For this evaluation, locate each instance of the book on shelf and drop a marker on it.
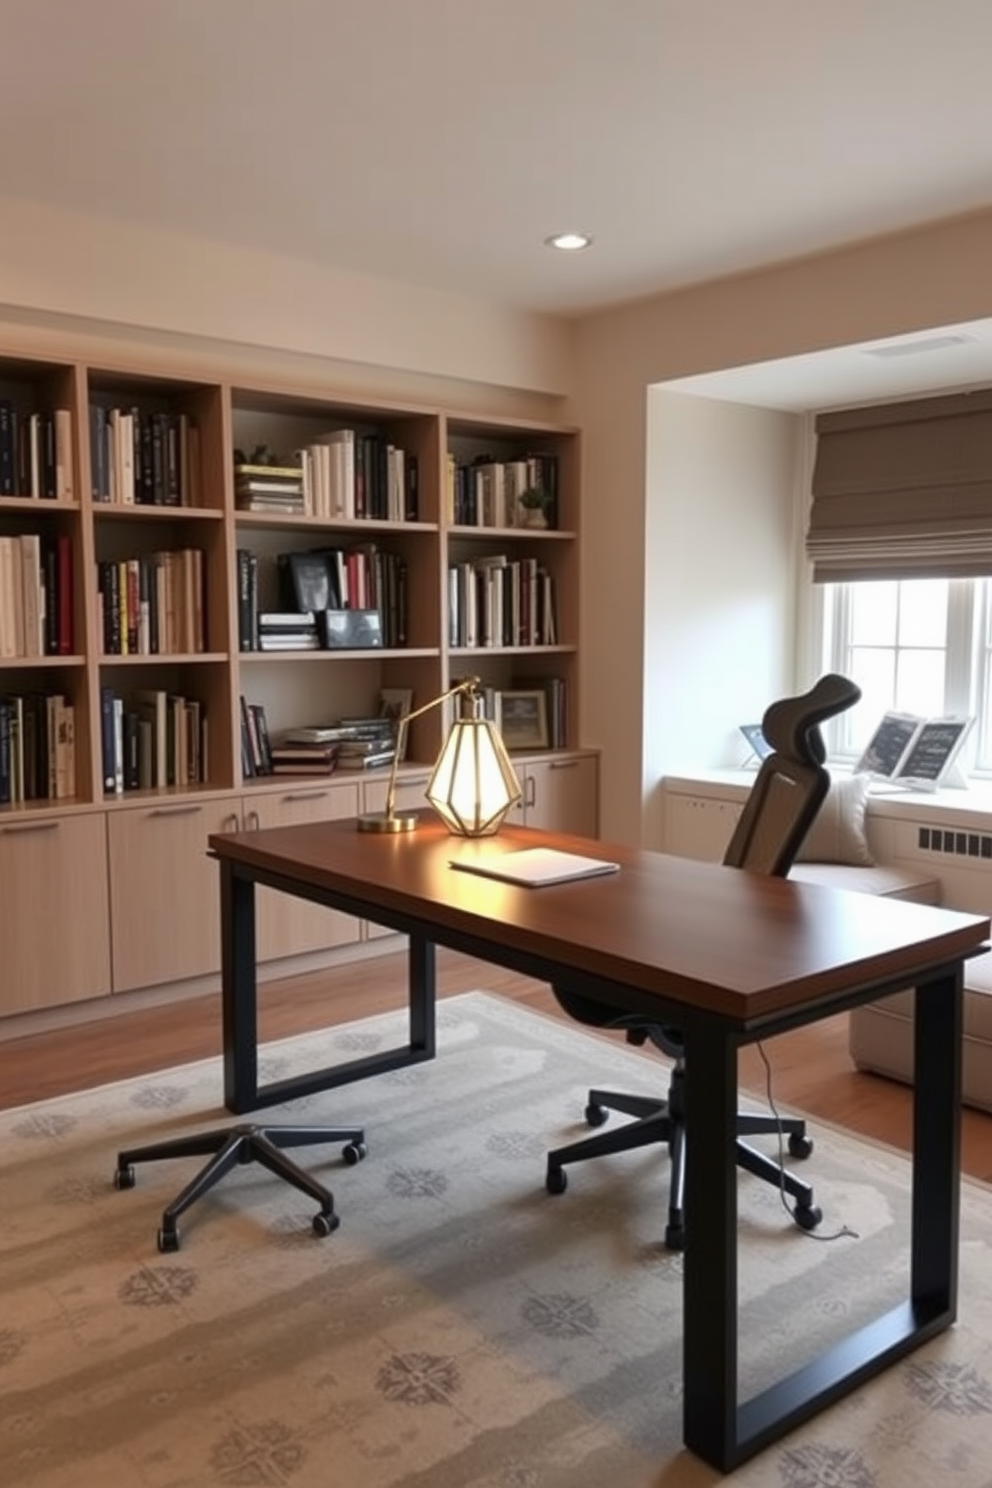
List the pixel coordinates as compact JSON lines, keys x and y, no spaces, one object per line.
{"x":143,"y":458}
{"x":286,"y":479}
{"x":375,"y":760}
{"x":154,"y":604}
{"x":256,"y":752}
{"x":37,"y":748}
{"x":341,"y":731}
{"x":486,"y":492}
{"x":303,"y":759}
{"x":151,"y":740}
{"x":247,"y":592}
{"x":287,"y":631}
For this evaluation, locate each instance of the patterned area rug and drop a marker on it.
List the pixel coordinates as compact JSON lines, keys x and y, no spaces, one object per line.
{"x":462,"y":1328}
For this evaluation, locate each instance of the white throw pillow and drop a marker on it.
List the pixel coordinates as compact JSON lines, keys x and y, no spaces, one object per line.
{"x":838,"y":833}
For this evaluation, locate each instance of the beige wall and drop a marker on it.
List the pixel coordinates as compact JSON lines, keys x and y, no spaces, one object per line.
{"x":119,"y":274}
{"x":936,"y":276}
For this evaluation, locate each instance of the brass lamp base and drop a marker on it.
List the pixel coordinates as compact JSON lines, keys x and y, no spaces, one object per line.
{"x":391,"y":822}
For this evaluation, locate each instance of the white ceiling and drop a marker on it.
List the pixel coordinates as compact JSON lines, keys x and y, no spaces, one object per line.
{"x":438,"y":142}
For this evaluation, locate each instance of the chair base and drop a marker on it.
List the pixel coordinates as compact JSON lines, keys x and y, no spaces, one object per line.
{"x":657,"y":1121}
{"x":229,"y":1147}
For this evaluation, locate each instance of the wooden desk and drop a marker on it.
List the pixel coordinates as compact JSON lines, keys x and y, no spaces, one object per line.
{"x":727,"y":956}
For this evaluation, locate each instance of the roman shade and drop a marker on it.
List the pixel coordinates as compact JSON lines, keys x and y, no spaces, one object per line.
{"x":903,"y":490}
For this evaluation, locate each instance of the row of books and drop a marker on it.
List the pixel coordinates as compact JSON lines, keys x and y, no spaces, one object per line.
{"x":151,"y":740}
{"x":141,"y":458}
{"x":487,"y":492}
{"x":153,"y":605}
{"x":363,"y":577}
{"x":35,"y":595}
{"x":347,"y":744}
{"x":37,"y":748}
{"x":344,"y":475}
{"x":36,"y":453}
{"x":498,"y":602}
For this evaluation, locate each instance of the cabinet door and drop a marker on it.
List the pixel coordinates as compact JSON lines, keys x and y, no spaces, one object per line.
{"x":286,"y":926}
{"x":165,"y":892}
{"x":561,"y":795}
{"x":54,"y":920}
{"x":698,"y":826}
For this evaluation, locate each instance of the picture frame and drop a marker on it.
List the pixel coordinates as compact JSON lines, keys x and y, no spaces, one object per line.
{"x":756,"y":740}
{"x":395,"y":703}
{"x":933,"y":751}
{"x":888,"y":745}
{"x":523,"y":719}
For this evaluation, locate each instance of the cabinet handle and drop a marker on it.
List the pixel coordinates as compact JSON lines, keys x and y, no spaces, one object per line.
{"x":302,"y":795}
{"x":563,"y":764}
{"x":530,"y":799}
{"x":251,"y":821}
{"x":231,"y":823}
{"x":40,"y":826}
{"x":175,"y":810}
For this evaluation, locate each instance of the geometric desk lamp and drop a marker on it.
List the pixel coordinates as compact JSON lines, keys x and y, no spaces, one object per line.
{"x":473,"y":784}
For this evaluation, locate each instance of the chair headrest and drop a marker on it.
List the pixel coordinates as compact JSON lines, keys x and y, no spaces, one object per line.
{"x":791,"y":725}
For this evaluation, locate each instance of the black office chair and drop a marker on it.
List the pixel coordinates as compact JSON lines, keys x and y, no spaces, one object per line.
{"x":231,"y":1146}
{"x":789,"y":790}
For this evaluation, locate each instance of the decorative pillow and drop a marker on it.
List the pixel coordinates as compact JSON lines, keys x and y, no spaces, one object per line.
{"x":838,"y":833}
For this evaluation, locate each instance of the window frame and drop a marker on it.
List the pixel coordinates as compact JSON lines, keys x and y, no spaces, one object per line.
{"x":967,"y":650}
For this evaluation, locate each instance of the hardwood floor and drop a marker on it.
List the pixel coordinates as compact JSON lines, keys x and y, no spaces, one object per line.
{"x":811,"y":1070}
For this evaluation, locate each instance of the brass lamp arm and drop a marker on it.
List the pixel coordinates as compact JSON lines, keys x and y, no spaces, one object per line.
{"x":469,"y":684}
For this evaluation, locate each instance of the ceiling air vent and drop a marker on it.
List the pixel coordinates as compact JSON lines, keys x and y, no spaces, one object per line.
{"x":917,"y":347}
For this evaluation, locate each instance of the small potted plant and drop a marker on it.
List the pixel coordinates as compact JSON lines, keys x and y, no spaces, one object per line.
{"x":535,"y":503}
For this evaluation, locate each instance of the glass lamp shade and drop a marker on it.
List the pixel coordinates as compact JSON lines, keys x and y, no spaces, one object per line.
{"x":474,"y":783}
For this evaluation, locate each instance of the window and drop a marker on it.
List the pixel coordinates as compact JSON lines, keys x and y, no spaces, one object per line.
{"x":915,"y":645}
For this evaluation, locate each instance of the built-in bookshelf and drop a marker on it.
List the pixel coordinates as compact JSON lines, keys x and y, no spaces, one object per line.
{"x":152,"y":529}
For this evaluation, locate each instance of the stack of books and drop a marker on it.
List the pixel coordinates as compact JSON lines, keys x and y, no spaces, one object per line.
{"x":270,"y":488}
{"x":303,"y":759}
{"x":288,"y":631}
{"x":358,"y":743}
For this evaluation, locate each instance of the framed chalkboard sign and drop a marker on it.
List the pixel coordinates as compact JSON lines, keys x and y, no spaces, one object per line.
{"x":889,"y":744}
{"x":933,"y":751}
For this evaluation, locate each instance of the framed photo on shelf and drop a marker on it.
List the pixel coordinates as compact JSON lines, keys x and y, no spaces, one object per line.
{"x":394,"y":704}
{"x":523,"y":719}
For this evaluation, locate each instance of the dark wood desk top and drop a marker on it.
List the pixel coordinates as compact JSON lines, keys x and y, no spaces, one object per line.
{"x":714,"y":939}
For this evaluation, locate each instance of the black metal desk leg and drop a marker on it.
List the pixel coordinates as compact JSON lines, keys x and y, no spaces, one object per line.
{"x":709,"y":1342}
{"x":937,"y":1145}
{"x":239,"y":992}
{"x":422,"y":983}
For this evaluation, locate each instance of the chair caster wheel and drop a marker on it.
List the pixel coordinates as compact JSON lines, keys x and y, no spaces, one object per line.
{"x":326,"y":1224}
{"x":674,"y":1237}
{"x":557,"y":1181}
{"x":800,"y":1146}
{"x":168,"y":1241}
{"x":596,"y":1115}
{"x":807,"y":1218}
{"x":354,"y":1153}
{"x":124,"y":1177}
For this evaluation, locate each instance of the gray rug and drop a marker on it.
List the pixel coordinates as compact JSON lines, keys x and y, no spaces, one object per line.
{"x":462,"y":1329}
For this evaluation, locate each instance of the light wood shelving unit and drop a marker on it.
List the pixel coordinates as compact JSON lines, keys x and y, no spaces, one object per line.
{"x":107,"y":894}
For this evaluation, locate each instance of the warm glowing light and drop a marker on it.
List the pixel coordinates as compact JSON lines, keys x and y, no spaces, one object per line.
{"x":569,"y":242}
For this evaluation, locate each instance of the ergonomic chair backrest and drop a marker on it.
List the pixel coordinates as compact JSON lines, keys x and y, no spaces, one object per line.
{"x":792,"y":782}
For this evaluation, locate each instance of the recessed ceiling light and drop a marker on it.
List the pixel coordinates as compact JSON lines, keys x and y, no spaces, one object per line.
{"x":568,"y":242}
